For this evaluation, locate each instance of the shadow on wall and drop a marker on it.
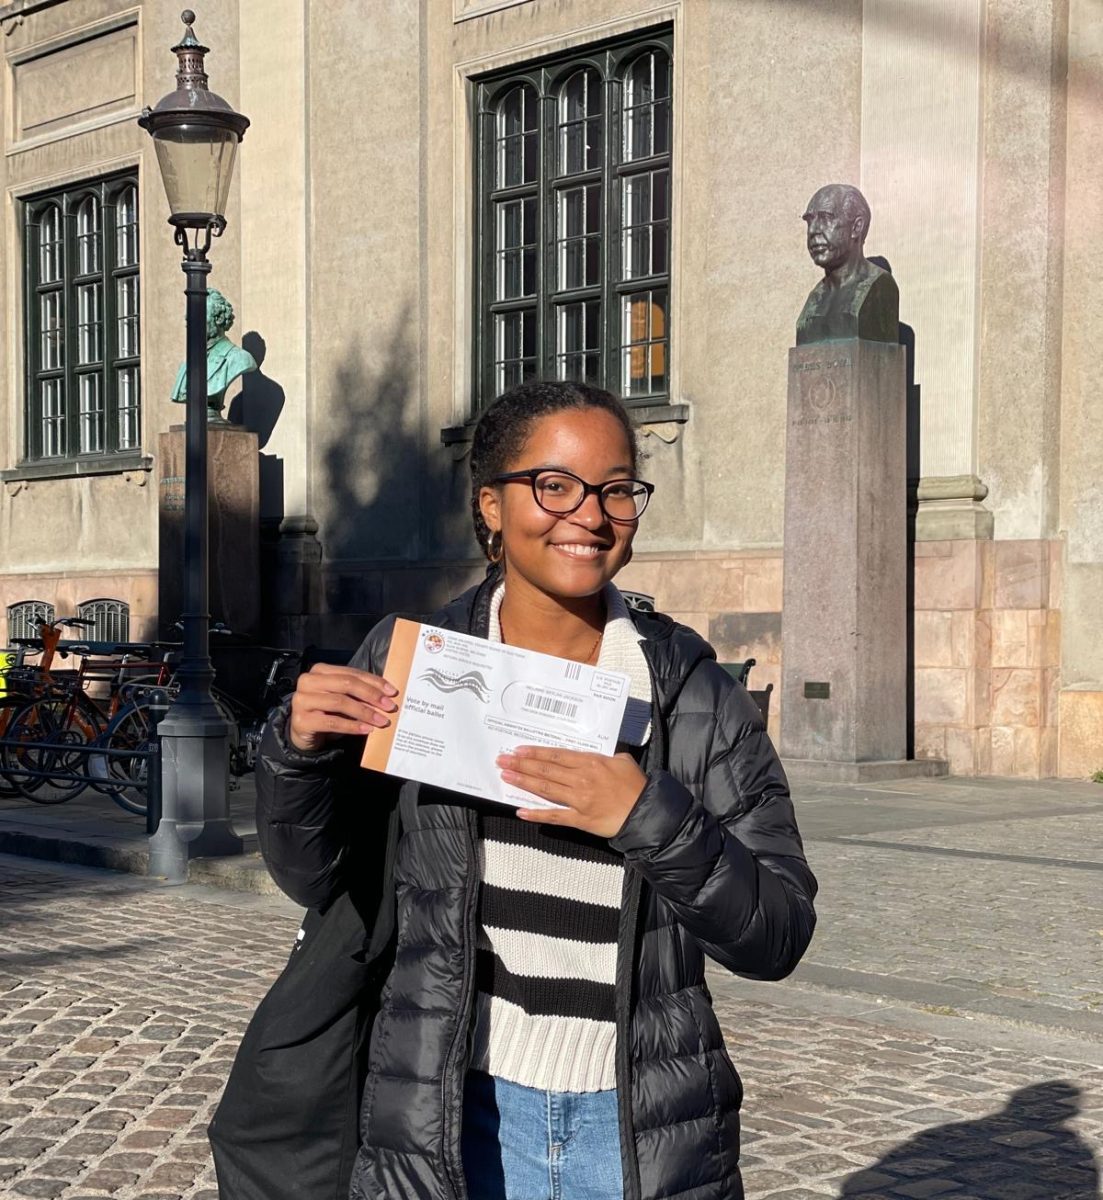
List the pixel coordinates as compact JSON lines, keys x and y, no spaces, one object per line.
{"x":1026,"y":1149}
{"x":906,"y":338}
{"x":388,"y":490}
{"x":257,"y":407}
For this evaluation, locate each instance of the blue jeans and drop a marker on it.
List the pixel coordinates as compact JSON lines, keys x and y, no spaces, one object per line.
{"x":522,"y":1143}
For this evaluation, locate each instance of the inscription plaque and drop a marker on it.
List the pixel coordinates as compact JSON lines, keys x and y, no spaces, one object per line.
{"x":817,"y":691}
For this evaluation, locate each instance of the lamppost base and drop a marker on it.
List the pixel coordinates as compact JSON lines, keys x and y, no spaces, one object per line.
{"x":195,"y":789}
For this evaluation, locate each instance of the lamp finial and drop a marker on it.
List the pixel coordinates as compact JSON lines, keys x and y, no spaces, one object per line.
{"x":190,"y":73}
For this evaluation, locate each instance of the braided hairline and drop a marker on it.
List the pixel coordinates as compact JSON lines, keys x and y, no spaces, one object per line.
{"x":505,"y":426}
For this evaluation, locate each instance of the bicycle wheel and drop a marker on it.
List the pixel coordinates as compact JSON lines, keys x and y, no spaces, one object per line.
{"x":45,"y":764}
{"x":9,"y":706}
{"x":122,"y":778}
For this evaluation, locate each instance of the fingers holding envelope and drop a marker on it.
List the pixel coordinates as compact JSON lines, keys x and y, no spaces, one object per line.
{"x":330,"y":701}
{"x":598,"y":792}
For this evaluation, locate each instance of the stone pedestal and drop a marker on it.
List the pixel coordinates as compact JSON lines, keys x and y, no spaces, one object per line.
{"x":234,"y":531}
{"x":844,"y":639}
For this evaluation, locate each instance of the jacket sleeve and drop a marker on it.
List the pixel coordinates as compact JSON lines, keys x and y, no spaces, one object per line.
{"x":724,"y":853}
{"x":315,"y":811}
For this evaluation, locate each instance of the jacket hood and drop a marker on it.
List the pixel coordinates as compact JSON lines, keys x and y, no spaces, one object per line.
{"x":672,"y":650}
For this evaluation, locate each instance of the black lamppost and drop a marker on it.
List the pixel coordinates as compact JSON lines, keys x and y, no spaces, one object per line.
{"x":196,"y":134}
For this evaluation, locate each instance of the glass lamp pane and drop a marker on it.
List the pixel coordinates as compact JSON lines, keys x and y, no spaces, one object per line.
{"x":197,"y":164}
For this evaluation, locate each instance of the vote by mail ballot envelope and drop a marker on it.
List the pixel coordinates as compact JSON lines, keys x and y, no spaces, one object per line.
{"x":464,"y":700}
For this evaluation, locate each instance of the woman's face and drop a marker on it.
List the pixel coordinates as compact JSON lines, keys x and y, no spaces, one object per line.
{"x":574,"y":555}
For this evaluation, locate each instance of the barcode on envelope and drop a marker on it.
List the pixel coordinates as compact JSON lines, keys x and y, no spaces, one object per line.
{"x":538,"y":703}
{"x":573,"y":671}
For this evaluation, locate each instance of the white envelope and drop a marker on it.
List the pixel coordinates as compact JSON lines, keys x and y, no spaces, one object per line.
{"x":464,"y":700}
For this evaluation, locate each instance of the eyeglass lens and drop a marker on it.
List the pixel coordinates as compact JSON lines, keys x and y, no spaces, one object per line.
{"x":621,"y":499}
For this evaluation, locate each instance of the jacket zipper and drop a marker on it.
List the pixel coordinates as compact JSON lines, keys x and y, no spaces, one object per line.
{"x":631,"y":902}
{"x":626,"y":957}
{"x":476,"y":626}
{"x":451,"y":1064}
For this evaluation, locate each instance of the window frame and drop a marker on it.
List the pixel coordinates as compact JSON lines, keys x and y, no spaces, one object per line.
{"x":14,"y":615}
{"x":103,"y":609}
{"x":106,"y":192}
{"x":611,"y":60}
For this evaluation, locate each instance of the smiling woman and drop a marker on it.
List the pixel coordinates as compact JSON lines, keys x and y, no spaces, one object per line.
{"x":545,"y":967}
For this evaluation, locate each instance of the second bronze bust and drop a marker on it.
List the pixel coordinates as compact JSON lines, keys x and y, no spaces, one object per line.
{"x":855,"y":298}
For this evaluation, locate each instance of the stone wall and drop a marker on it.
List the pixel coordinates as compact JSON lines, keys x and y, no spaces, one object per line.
{"x":65,"y":590}
{"x":732,"y":598}
{"x":987,"y":655}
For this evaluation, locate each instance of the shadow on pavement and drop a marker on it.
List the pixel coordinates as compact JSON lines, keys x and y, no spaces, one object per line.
{"x":1026,"y":1151}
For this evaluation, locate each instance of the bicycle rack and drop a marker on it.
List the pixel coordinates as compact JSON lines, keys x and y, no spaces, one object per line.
{"x":151,"y":785}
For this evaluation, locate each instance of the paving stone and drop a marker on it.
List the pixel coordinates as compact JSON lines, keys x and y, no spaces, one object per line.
{"x":146,"y":1139}
{"x":108,"y":1181}
{"x":868,"y":1181}
{"x":178,"y":1175}
{"x":40,"y":1186}
{"x":923,"y":1189}
{"x":1017,"y":1189}
{"x":87,"y":1145}
{"x":108,"y":1118}
{"x":25,"y":1148}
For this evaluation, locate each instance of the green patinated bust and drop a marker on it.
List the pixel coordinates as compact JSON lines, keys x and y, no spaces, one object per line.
{"x":226,"y":361}
{"x":855,"y":298}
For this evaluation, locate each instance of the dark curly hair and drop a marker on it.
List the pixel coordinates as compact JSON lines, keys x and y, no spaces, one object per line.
{"x":505,"y":426}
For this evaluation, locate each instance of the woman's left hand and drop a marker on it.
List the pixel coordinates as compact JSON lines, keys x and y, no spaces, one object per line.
{"x":599,"y":792}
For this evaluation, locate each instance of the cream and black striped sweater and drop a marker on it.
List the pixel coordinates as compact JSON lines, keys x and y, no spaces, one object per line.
{"x":549,"y":908}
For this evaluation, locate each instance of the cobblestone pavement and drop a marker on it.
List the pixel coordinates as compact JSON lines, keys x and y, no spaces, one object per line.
{"x":983,"y":895}
{"x":121,"y":1004}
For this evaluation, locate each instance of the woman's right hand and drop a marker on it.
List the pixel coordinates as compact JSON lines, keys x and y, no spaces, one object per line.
{"x":333,"y":701}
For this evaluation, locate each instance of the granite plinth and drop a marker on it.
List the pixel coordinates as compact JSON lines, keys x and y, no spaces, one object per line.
{"x":844,"y":666}
{"x":812,"y":770}
{"x":233,"y":479}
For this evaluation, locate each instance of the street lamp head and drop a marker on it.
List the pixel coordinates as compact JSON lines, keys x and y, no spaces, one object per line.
{"x":196,"y":135}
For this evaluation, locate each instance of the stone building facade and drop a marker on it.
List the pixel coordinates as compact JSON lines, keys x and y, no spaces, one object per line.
{"x":369,"y":256}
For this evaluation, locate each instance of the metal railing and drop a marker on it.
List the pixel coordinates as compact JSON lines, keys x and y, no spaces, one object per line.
{"x":66,"y":772}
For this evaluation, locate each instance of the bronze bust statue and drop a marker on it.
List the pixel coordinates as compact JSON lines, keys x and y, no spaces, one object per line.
{"x":855,"y":298}
{"x":225,"y":359}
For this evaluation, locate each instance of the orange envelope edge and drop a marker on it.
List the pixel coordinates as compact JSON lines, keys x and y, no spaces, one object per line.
{"x":400,"y":658}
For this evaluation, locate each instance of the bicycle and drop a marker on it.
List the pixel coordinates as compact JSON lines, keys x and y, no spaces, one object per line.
{"x":46,"y":765}
{"x":123,"y":778}
{"x":22,"y":682}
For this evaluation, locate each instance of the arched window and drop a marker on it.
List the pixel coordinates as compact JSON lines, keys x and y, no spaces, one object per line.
{"x":574,"y":220}
{"x":579,"y":203}
{"x":111,"y":617}
{"x":50,"y":244}
{"x":645,"y":226}
{"x":518,"y":142}
{"x":647,"y":106}
{"x":126,"y":227}
{"x":127,"y":320}
{"x":581,"y":130}
{"x":88,"y":236}
{"x":515,"y":216}
{"x":89,"y":297}
{"x":23,"y":618}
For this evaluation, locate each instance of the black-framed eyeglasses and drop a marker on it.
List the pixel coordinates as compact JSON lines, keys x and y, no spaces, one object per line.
{"x":561,"y":493}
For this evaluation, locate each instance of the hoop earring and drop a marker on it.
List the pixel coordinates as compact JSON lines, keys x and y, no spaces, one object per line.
{"x":494,"y":546}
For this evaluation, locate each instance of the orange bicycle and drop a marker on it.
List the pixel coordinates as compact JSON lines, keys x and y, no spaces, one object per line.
{"x":43,"y":731}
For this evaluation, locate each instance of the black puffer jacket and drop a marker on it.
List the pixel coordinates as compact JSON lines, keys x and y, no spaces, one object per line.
{"x":714,"y":866}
